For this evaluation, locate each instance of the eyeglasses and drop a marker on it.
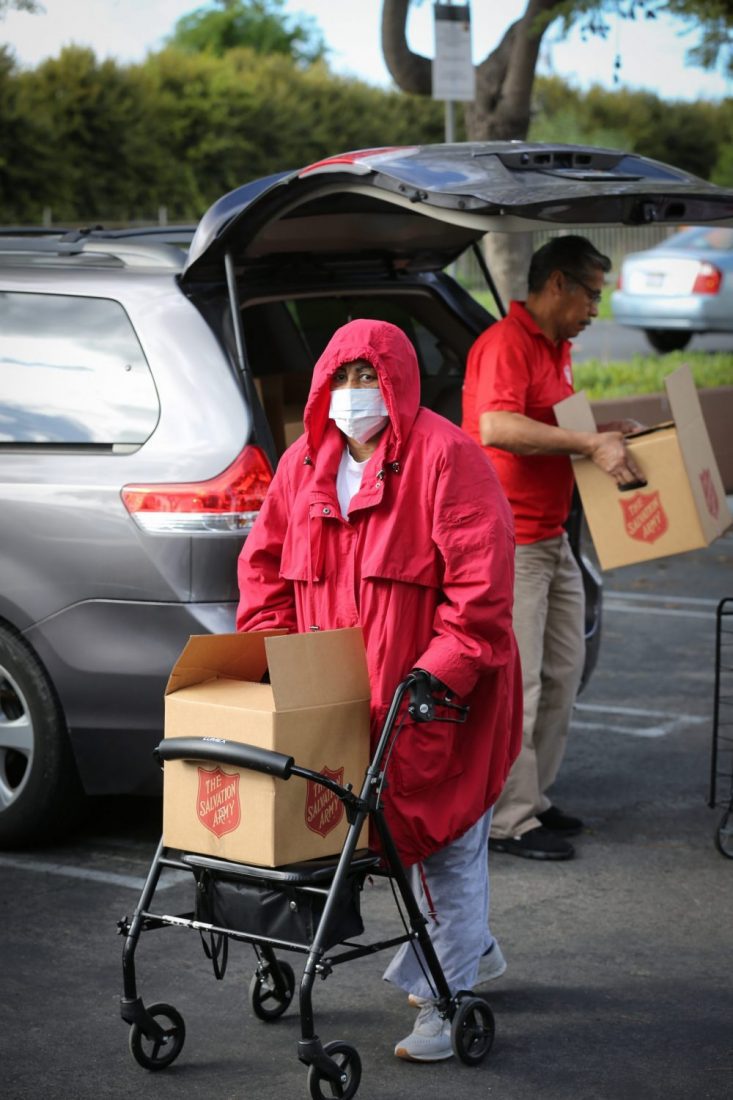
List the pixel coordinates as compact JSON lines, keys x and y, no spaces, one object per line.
{"x":593,"y":296}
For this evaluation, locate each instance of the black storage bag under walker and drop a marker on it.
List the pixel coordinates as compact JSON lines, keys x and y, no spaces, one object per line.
{"x":280,"y":911}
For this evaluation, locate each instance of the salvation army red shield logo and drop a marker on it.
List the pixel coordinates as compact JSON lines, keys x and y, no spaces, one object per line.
{"x":323,"y":809}
{"x":217,"y":804}
{"x":644,"y":517}
{"x":710,"y":494}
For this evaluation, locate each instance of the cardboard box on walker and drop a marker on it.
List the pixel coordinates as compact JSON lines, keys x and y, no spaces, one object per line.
{"x":682,"y":506}
{"x":315,"y":708}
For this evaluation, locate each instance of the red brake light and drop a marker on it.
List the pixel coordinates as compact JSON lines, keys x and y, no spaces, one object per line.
{"x":708,"y":280}
{"x":228,"y":502}
{"x":619,"y":281}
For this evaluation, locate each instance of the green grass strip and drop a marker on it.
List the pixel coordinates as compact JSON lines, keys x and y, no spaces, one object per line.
{"x":645,"y":374}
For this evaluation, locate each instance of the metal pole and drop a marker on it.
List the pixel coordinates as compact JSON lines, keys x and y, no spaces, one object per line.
{"x":450,"y":128}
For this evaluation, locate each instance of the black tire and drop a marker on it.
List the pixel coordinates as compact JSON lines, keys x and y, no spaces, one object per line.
{"x":39,"y":786}
{"x":267,"y":1003}
{"x":724,"y":835}
{"x":349,"y":1062}
{"x":667,"y":339}
{"x":155,"y":1054}
{"x":472,"y":1030}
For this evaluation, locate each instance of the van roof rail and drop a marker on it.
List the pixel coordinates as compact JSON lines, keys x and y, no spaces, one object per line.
{"x":137,"y":247}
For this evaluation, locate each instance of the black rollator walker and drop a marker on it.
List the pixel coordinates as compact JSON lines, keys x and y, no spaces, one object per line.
{"x":305,"y":907}
{"x":721,"y":754}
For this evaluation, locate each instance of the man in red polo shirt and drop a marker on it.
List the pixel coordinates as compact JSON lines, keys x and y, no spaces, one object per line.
{"x":517,"y":371}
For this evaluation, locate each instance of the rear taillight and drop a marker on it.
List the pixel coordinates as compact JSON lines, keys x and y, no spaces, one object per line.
{"x":708,"y":280}
{"x":228,"y":502}
{"x":620,"y":281}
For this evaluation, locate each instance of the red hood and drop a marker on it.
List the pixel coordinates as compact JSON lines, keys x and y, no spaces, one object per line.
{"x":393,"y":357}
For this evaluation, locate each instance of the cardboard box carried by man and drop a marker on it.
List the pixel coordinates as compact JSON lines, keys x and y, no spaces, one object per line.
{"x":315,"y":708}
{"x":683,"y":505}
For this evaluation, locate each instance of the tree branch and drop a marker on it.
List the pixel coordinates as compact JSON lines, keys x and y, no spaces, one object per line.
{"x":410,"y":71}
{"x":504,"y":79}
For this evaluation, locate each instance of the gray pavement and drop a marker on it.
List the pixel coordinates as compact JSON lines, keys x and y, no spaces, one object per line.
{"x":619,"y":962}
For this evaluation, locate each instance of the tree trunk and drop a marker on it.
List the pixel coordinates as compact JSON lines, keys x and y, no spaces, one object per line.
{"x":500,"y":112}
{"x":411,"y":71}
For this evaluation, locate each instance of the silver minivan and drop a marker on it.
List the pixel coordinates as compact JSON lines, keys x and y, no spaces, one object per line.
{"x":149,"y":381}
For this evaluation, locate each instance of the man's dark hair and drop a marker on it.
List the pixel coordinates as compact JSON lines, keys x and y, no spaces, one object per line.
{"x":572,"y":255}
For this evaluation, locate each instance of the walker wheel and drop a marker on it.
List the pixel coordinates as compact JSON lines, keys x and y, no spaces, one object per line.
{"x":472,"y":1030}
{"x":347,"y":1059}
{"x":154,"y":1054}
{"x":267,"y":1001}
{"x":724,"y":835}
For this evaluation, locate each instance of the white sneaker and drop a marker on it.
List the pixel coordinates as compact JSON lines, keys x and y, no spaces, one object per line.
{"x":429,"y":1040}
{"x":491,"y":967}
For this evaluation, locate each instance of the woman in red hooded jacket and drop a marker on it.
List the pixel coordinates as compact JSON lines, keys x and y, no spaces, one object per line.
{"x":387,"y":516}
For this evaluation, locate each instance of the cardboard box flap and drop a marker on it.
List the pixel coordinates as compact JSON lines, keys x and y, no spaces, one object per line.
{"x":697,"y":453}
{"x":206,"y":656}
{"x":683,"y":397}
{"x":575,"y":413}
{"x":318,"y":668}
{"x":705,"y":480}
{"x":639,"y":433}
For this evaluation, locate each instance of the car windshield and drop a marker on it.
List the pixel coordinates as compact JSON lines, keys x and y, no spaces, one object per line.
{"x":716,"y":238}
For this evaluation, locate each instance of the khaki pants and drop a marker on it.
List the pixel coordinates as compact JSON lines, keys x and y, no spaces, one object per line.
{"x":549,"y":614}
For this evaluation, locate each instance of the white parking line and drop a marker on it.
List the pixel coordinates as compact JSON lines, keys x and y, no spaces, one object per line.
{"x":109,"y":878}
{"x":645,"y":603}
{"x":649,"y":597}
{"x":635,"y":731}
{"x":611,"y":605}
{"x":642,"y":728}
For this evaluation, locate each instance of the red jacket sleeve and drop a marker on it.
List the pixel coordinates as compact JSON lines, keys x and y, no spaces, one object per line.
{"x":473,"y":529}
{"x":267,"y":600}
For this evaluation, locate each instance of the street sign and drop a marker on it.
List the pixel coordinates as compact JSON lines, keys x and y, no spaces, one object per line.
{"x":454,"y":78}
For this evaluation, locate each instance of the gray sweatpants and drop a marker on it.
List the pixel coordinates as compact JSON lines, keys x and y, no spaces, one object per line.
{"x":458,"y":883}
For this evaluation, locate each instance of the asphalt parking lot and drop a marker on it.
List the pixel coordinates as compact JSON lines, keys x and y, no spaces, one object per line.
{"x":619,"y":962}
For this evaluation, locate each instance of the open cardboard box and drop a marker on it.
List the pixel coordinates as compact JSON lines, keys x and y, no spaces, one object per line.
{"x":315,"y":708}
{"x":682,"y":506}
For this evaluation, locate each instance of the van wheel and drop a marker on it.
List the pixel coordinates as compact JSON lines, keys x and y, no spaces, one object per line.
{"x":39,"y":786}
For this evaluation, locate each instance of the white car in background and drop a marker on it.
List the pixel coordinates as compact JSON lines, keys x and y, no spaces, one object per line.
{"x":678,"y":288}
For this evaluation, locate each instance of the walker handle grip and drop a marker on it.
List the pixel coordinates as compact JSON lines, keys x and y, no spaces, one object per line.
{"x":220,"y":751}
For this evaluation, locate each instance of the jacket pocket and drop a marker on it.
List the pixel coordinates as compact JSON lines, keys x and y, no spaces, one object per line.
{"x":426,"y":755}
{"x":402,"y":564}
{"x":400,"y":548}
{"x":304,"y":548}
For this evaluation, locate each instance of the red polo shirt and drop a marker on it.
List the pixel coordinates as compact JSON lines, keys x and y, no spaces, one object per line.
{"x":514,"y":367}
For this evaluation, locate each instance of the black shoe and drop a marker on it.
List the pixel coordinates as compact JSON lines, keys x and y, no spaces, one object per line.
{"x":537,"y":843}
{"x":558,"y":822}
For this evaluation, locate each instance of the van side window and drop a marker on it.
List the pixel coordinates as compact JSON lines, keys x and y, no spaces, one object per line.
{"x":72,"y":372}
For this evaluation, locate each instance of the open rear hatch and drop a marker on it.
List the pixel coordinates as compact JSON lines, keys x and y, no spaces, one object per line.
{"x":417,"y":208}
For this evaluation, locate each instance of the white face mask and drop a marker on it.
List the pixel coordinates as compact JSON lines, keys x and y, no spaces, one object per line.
{"x":359,"y":413}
